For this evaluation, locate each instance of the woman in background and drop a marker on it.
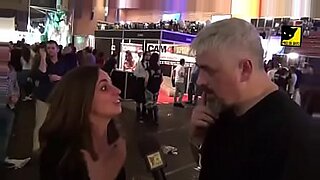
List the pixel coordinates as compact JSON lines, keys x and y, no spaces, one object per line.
{"x":140,"y":73}
{"x":78,"y":139}
{"x":25,"y":82}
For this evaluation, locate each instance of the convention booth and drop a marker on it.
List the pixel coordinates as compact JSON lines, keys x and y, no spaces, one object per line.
{"x":172,"y":46}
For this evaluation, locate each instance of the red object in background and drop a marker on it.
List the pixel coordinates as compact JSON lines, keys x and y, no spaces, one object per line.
{"x":170,"y":49}
{"x":165,"y":99}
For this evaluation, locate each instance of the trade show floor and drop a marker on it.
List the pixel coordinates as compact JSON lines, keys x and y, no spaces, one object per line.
{"x":172,"y":130}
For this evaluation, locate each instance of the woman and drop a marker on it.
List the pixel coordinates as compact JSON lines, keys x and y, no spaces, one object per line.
{"x":74,"y":139}
{"x":25,"y":82}
{"x":140,"y":73}
{"x":153,"y":82}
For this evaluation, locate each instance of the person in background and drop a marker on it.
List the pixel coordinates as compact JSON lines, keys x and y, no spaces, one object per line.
{"x":89,"y":56}
{"x":179,"y":73}
{"x":9,"y":95}
{"x":292,"y":80}
{"x":95,"y":52}
{"x":13,"y":87}
{"x":140,"y":73}
{"x":24,"y":79}
{"x":100,"y":59}
{"x":74,"y":49}
{"x":259,"y":133}
{"x":11,"y":45}
{"x":60,"y":47}
{"x":274,"y":67}
{"x":80,"y":58}
{"x":50,"y":70}
{"x":15,"y":59}
{"x":281,"y":78}
{"x":82,"y":145}
{"x":153,"y":80}
{"x":70,"y":58}
{"x":292,"y":84}
{"x":140,"y":55}
{"x":85,"y":57}
{"x":193,"y":90}
{"x":23,"y":42}
{"x":111,"y":64}
{"x":296,"y":94}
{"x":129,"y":63}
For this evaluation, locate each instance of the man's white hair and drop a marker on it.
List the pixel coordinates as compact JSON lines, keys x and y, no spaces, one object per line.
{"x":230,"y":34}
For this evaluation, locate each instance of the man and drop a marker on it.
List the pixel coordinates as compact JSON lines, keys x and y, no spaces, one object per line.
{"x":50,"y":71}
{"x":193,"y":90}
{"x":179,"y":74}
{"x":259,"y":134}
{"x":111,"y":64}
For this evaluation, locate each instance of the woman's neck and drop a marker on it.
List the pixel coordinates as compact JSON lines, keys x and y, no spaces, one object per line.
{"x":99,"y":126}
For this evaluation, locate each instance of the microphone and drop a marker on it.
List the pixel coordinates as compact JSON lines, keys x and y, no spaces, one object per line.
{"x":149,"y":149}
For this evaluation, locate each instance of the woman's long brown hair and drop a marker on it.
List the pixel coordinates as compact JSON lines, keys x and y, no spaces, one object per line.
{"x":67,"y":121}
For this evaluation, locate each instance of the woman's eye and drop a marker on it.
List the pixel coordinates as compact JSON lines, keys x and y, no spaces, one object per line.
{"x":103,"y":88}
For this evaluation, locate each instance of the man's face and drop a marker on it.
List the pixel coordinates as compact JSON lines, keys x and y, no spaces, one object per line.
{"x":219,"y":76}
{"x":52,"y":49}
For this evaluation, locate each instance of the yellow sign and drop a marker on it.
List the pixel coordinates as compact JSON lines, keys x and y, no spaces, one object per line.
{"x":155,"y":160}
{"x":291,"y":36}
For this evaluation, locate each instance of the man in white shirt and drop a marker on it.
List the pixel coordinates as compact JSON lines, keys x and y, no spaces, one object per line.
{"x":180,"y":74}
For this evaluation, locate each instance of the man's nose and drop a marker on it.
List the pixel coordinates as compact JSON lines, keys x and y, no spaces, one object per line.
{"x":201,"y":80}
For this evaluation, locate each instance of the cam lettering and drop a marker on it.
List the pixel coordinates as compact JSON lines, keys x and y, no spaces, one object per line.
{"x":157,"y":48}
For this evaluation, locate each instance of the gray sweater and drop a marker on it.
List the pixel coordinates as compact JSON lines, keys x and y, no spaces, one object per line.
{"x":8,"y":87}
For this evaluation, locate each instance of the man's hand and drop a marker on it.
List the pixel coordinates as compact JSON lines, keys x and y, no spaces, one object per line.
{"x":201,"y":119}
{"x":43,"y":54}
{"x":43,"y":57}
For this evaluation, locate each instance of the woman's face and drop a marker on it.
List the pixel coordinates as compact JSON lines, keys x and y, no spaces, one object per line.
{"x":106,"y":101}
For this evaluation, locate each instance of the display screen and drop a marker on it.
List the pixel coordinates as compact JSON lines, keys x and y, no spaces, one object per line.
{"x":216,"y":18}
{"x":169,"y":17}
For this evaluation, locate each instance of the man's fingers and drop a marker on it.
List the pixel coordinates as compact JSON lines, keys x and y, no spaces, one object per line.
{"x":203,"y":100}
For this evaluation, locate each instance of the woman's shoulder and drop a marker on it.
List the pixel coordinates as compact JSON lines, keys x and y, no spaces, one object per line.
{"x":68,"y":162}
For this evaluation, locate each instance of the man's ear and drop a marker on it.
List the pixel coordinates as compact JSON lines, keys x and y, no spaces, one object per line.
{"x":246,"y":68}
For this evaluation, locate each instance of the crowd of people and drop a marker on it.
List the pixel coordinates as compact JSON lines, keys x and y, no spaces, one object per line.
{"x":246,"y":126}
{"x":190,"y":27}
{"x":288,"y":78}
{"x":33,"y":72}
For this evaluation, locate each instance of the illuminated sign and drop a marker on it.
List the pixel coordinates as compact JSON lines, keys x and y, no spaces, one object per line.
{"x":163,"y":48}
{"x":177,"y":37}
{"x":291,"y":36}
